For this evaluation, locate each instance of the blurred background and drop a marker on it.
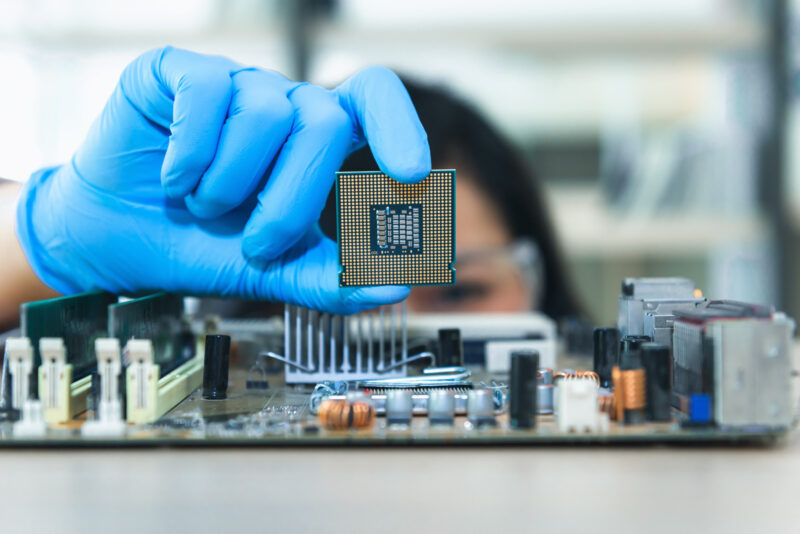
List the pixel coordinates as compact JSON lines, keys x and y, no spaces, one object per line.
{"x":664,"y":131}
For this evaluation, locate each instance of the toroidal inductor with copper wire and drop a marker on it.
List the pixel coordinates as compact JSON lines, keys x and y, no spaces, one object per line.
{"x":606,"y":404}
{"x":342,"y":414}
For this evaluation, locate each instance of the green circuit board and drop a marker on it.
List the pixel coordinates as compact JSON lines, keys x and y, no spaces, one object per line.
{"x":77,"y":319}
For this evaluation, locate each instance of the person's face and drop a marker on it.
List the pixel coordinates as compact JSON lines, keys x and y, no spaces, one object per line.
{"x":487,"y":277}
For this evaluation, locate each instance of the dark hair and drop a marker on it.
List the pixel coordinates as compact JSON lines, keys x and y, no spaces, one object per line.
{"x":455,"y":129}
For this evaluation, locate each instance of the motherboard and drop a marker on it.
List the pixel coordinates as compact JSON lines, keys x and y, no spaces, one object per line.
{"x":97,"y":370}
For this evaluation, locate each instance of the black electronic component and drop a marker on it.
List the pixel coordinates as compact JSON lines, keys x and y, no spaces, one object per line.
{"x":657,"y":362}
{"x":215,"y":370}
{"x":93,"y":398}
{"x":451,"y":349}
{"x":606,"y":353}
{"x":7,"y":411}
{"x":522,"y":388}
{"x":391,"y":233}
{"x":630,"y":351}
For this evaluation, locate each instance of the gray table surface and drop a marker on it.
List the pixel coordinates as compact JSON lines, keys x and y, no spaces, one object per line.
{"x":630,"y":489}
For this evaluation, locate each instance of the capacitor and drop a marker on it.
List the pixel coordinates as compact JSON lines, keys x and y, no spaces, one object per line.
{"x":399,"y":404}
{"x":451,"y":350}
{"x":544,"y":398}
{"x":480,"y":407}
{"x":657,"y":363}
{"x":215,"y":368}
{"x":629,"y":351}
{"x":522,"y":388}
{"x":606,"y":353}
{"x":441,"y":407}
{"x":544,"y":376}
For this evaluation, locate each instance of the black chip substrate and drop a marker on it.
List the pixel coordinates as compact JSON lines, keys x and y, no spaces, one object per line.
{"x":395,"y":234}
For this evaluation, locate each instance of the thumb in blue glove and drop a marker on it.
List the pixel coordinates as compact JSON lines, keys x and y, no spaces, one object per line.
{"x":205,"y":177}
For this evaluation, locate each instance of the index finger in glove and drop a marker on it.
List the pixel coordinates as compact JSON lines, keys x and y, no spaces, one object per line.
{"x":384,"y":117}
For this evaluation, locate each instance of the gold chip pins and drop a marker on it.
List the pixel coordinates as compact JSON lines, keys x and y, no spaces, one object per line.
{"x":395,"y":234}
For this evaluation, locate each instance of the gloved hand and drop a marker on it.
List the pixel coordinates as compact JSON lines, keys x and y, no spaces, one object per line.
{"x":205,"y":177}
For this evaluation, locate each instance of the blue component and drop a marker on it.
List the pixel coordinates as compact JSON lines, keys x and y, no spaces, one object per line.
{"x":700,"y":408}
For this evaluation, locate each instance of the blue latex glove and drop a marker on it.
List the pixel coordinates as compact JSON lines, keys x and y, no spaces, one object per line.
{"x":205,"y":177}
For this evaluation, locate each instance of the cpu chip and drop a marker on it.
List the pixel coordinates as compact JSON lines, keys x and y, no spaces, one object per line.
{"x":395,"y":234}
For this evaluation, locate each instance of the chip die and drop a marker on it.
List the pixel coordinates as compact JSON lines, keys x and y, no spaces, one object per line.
{"x":395,"y":234}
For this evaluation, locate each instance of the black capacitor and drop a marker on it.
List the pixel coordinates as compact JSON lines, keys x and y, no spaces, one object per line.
{"x":657,"y":363}
{"x":7,"y":413}
{"x":451,"y":350}
{"x":606,"y":353}
{"x":215,"y":370}
{"x":524,"y":367}
{"x":630,"y":351}
{"x":93,"y":399}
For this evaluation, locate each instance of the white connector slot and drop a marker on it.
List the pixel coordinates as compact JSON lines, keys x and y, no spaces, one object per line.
{"x":19,"y":353}
{"x":53,"y":384}
{"x":109,"y":407}
{"x":577,"y":406}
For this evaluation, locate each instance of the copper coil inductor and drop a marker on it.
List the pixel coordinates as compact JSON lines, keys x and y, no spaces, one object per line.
{"x":633,"y":389}
{"x":629,"y":390}
{"x":616,"y":379}
{"x":606,"y":404}
{"x":341,"y":414}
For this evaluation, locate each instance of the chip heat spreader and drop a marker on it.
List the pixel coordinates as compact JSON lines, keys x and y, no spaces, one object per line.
{"x":395,"y":234}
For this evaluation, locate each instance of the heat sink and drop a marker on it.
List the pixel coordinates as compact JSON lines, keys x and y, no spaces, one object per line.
{"x":322,"y":346}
